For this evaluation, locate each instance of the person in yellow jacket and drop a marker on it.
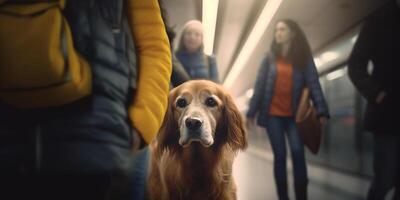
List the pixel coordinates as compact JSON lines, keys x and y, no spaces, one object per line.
{"x":154,"y":57}
{"x":87,"y":145}
{"x":142,"y":106}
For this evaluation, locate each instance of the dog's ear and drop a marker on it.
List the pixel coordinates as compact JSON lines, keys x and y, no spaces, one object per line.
{"x":168,"y":135}
{"x":233,"y":125}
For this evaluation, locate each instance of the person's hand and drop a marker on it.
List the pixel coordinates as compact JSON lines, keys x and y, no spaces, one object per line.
{"x":250,"y":122}
{"x":323,"y":120}
{"x":380,"y":97}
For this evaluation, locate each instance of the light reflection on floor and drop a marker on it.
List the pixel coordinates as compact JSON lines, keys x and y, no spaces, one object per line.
{"x":254,"y":179}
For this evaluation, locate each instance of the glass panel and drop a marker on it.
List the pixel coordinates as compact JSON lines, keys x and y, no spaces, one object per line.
{"x":342,"y":147}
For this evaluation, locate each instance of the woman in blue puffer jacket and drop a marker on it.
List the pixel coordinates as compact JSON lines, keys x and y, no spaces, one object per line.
{"x":191,"y":53}
{"x":283,"y":74}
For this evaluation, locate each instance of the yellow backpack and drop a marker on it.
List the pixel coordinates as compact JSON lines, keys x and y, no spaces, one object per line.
{"x":39,"y":66}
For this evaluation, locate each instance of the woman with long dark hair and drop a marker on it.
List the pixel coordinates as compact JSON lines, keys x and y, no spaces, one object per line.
{"x":285,"y":71}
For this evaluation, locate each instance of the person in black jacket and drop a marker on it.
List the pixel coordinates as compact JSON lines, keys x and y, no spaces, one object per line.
{"x":378,"y":43}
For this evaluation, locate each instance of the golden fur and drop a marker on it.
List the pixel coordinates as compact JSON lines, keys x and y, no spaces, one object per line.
{"x":200,"y":168}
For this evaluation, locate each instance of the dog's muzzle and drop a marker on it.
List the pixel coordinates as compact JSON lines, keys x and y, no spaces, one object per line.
{"x":194,"y":131}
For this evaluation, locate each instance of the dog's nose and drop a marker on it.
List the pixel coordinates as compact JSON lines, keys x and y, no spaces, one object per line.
{"x":193,"y":123}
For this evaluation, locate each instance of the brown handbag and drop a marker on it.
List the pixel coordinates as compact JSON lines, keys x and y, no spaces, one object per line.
{"x":307,"y":122}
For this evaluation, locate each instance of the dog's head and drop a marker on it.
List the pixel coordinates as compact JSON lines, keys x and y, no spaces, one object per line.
{"x":201,"y":112}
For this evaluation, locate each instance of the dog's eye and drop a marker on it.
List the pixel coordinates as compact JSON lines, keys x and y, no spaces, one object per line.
{"x":181,"y":103}
{"x":210,"y":102}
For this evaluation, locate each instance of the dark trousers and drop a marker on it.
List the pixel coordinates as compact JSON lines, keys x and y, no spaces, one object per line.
{"x":386,"y":166}
{"x":42,"y":168}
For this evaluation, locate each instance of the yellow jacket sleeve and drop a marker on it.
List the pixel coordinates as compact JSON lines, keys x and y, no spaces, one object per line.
{"x":154,"y":63}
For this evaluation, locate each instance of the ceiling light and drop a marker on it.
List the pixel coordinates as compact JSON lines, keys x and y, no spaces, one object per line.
{"x":336,"y":74}
{"x":318,"y":62}
{"x":325,"y":58}
{"x":253,"y":39}
{"x":329,"y":56}
{"x":209,"y":20}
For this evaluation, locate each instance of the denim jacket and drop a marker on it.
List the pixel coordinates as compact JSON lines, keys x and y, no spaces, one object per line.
{"x":265,"y":84}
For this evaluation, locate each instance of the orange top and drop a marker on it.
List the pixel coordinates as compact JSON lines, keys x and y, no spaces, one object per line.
{"x":282,"y":97}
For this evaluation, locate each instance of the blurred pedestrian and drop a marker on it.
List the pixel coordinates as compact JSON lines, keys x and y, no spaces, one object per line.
{"x":378,"y":42}
{"x":283,"y":74}
{"x":191,"y":53}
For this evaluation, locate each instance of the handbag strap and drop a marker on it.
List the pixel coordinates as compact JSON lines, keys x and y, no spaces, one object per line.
{"x":304,"y":104}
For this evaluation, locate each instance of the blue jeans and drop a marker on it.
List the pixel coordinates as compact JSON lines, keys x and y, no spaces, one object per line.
{"x":140,"y":167}
{"x":276,"y":129}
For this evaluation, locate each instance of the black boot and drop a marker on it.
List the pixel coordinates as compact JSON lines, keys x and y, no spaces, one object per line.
{"x":282,"y":190}
{"x":300,"y":191}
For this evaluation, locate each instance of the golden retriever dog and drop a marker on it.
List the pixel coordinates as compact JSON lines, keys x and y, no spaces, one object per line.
{"x":193,"y":154}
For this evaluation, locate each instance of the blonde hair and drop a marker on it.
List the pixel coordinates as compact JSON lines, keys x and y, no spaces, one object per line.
{"x":190,"y":23}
